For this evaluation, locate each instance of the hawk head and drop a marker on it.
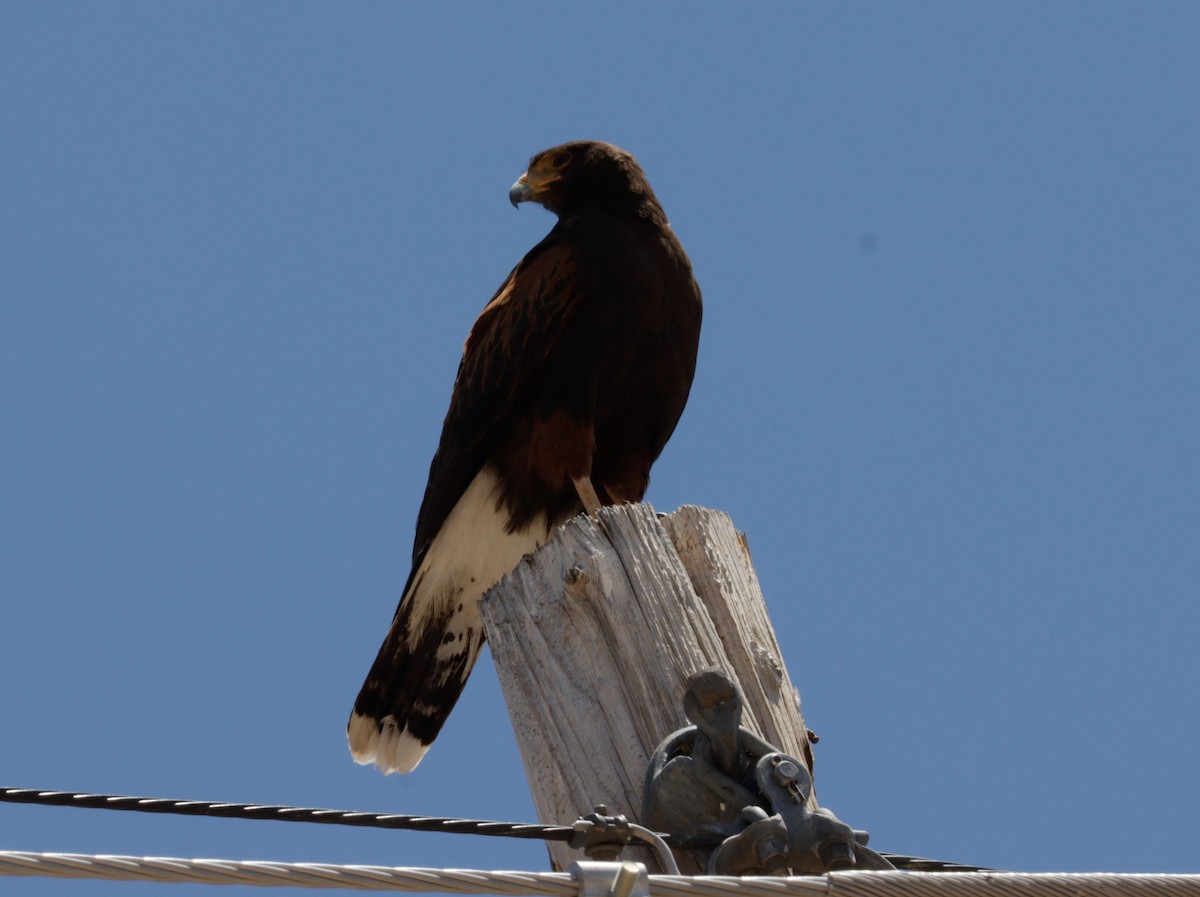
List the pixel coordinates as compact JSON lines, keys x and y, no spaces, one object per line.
{"x":571,"y":175}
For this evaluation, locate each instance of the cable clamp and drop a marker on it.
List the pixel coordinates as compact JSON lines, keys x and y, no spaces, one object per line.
{"x":601,"y":836}
{"x":610,"y":879}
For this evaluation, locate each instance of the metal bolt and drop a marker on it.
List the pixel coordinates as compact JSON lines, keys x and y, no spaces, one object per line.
{"x":837,"y":855}
{"x":786,"y":772}
{"x":627,"y":877}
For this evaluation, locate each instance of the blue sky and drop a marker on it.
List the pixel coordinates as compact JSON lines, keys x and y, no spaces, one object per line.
{"x":947,"y":385}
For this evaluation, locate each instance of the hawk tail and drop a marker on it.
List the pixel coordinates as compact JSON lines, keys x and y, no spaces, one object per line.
{"x":421,"y":669}
{"x":437,"y":633}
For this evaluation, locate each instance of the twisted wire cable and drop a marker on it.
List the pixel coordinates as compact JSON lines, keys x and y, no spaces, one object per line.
{"x":291,"y":814}
{"x":484,"y":827}
{"x":307,"y":875}
{"x":561,"y":884}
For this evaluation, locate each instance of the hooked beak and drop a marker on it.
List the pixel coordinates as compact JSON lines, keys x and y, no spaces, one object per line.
{"x":520,"y":191}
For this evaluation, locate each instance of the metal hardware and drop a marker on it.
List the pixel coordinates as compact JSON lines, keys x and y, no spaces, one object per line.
{"x":600,"y":836}
{"x":743,"y":806}
{"x":607,"y":879}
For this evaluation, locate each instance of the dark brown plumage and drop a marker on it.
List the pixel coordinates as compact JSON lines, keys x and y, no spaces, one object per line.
{"x":572,"y":380}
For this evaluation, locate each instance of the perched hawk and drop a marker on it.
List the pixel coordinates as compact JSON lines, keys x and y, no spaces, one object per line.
{"x":571,"y":382}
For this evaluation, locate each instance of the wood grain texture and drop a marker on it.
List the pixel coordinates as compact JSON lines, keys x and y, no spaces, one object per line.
{"x":719,"y":567}
{"x":594,"y":636}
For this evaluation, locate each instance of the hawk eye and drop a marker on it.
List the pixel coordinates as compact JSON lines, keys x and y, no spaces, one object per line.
{"x":560,"y":159}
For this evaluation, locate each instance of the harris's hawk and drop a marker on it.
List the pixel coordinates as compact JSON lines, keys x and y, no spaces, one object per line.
{"x":571,"y":381}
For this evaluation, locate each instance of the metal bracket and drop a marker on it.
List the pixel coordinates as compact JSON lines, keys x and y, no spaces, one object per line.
{"x":742,"y":806}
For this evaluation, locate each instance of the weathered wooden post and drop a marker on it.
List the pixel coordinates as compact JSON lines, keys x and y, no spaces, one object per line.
{"x":594,"y":636}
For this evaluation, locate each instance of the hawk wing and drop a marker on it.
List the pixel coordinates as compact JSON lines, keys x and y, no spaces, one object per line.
{"x":435,"y":635}
{"x":507,"y":346}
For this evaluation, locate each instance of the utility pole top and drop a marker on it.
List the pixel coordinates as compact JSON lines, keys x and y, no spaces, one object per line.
{"x":595,"y":636}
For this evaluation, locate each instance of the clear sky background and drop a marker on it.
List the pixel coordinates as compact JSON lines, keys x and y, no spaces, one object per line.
{"x":948,"y":380}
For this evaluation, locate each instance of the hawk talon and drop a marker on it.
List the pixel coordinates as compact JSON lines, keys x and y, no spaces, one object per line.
{"x":587,"y":495}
